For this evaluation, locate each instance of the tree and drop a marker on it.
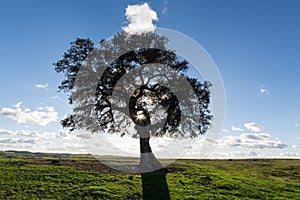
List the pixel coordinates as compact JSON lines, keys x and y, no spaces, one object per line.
{"x":131,"y":84}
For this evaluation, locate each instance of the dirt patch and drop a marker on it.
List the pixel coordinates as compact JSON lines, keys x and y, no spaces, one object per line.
{"x":89,"y":164}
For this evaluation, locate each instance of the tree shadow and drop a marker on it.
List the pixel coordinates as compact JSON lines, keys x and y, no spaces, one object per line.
{"x":155,"y":185}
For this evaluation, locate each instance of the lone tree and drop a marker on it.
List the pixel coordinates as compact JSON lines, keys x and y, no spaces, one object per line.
{"x":131,"y":84}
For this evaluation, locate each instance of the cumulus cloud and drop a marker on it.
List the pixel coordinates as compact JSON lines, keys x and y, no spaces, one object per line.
{"x":46,"y":135}
{"x":36,"y":145}
{"x":17,"y":146}
{"x":41,"y":86}
{"x":290,"y":155}
{"x":252,"y":126}
{"x":234,"y":128}
{"x":253,"y":140}
{"x":41,"y":116}
{"x":19,"y":133}
{"x":62,"y":134}
{"x":27,"y":140}
{"x":18,"y":140}
{"x":140,"y":18}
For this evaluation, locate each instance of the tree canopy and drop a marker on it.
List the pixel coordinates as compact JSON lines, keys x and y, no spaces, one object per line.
{"x":132,"y":81}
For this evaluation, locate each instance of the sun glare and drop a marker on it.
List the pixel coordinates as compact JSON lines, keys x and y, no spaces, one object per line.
{"x":140,"y":116}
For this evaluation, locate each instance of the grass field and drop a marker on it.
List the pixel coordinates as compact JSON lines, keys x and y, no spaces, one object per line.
{"x":78,"y":177}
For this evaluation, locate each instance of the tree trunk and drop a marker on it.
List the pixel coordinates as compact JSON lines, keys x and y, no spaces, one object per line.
{"x":148,"y":161}
{"x":153,"y":174}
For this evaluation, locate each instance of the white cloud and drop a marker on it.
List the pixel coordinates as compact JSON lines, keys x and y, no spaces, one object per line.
{"x":41,"y":86}
{"x":62,"y":134}
{"x":18,"y":140}
{"x":251,"y":155}
{"x":225,"y":130}
{"x":41,"y":116}
{"x":234,"y":128}
{"x":238,"y":153}
{"x":16,"y":146}
{"x":290,"y":155}
{"x":42,"y":145}
{"x":234,"y":155}
{"x":84,"y":136}
{"x":253,"y":140}
{"x":252,"y":126}
{"x":140,"y":17}
{"x":297,"y":124}
{"x":295,"y":146}
{"x":6,"y":132}
{"x":263,"y":90}
{"x":55,"y":97}
{"x":19,"y":105}
{"x":165,"y":9}
{"x":57,"y":141}
{"x":67,"y":148}
{"x":21,"y":132}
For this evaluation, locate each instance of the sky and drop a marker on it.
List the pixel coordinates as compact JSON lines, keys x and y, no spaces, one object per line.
{"x":254,"y":44}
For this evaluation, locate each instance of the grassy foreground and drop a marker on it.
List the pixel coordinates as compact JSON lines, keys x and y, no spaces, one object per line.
{"x":70,"y":178}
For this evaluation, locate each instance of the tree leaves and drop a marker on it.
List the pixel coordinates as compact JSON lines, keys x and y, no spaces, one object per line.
{"x":98,"y":109}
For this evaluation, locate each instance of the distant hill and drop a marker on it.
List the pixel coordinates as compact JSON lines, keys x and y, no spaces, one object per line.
{"x":14,"y":153}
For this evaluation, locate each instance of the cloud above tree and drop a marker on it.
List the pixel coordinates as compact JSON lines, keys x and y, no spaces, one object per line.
{"x":140,"y":18}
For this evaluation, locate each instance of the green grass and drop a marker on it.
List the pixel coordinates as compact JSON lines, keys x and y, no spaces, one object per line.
{"x":22,"y":180}
{"x":194,"y":179}
{"x":238,"y":179}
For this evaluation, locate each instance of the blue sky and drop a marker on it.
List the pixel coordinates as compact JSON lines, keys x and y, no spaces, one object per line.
{"x":255,"y":45}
